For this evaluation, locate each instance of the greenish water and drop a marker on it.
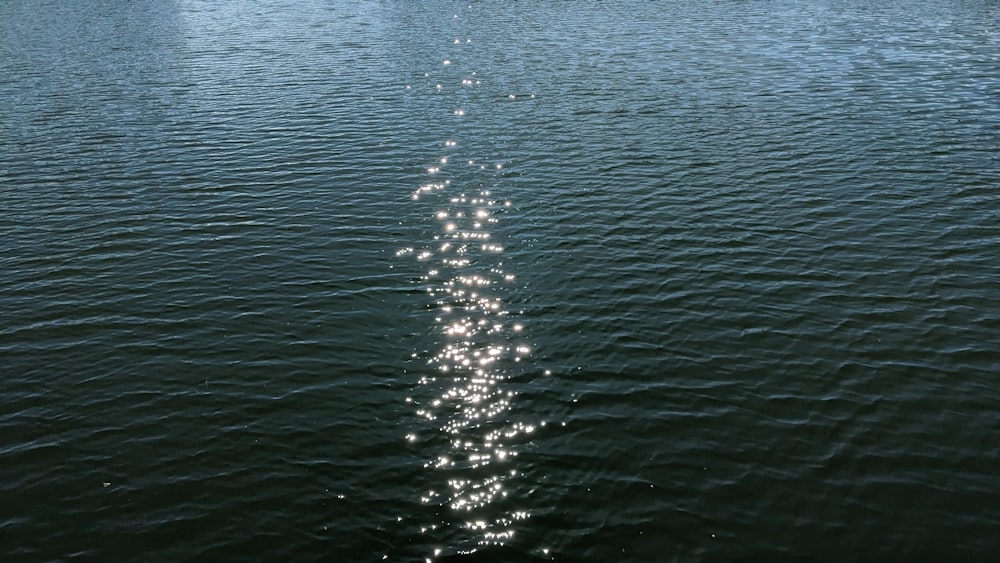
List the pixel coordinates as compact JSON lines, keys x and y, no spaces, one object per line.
{"x":499,"y":280}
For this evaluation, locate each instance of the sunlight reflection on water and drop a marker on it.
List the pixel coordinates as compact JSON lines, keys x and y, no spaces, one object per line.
{"x":478,"y":341}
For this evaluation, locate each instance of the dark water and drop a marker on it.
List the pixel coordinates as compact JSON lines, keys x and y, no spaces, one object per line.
{"x":528,"y":280}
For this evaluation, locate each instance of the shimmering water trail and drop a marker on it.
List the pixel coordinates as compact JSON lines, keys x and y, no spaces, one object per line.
{"x":464,"y":398}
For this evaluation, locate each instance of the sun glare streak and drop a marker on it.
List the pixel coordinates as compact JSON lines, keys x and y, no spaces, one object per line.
{"x":464,"y":400}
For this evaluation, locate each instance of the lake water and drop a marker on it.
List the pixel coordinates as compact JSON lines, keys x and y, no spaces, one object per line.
{"x":500,"y":281}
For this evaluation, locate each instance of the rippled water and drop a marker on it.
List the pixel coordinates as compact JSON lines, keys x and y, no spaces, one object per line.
{"x":499,"y":280}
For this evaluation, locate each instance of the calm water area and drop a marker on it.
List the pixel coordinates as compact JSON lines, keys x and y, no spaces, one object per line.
{"x":366,"y":280}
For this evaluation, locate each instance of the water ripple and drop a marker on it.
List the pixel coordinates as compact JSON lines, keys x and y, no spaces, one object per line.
{"x":311,"y":280}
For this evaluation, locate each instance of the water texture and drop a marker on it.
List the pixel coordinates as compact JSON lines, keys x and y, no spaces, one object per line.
{"x":499,"y":281}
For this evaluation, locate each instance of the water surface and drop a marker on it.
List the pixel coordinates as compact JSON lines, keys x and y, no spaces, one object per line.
{"x":499,"y":280}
